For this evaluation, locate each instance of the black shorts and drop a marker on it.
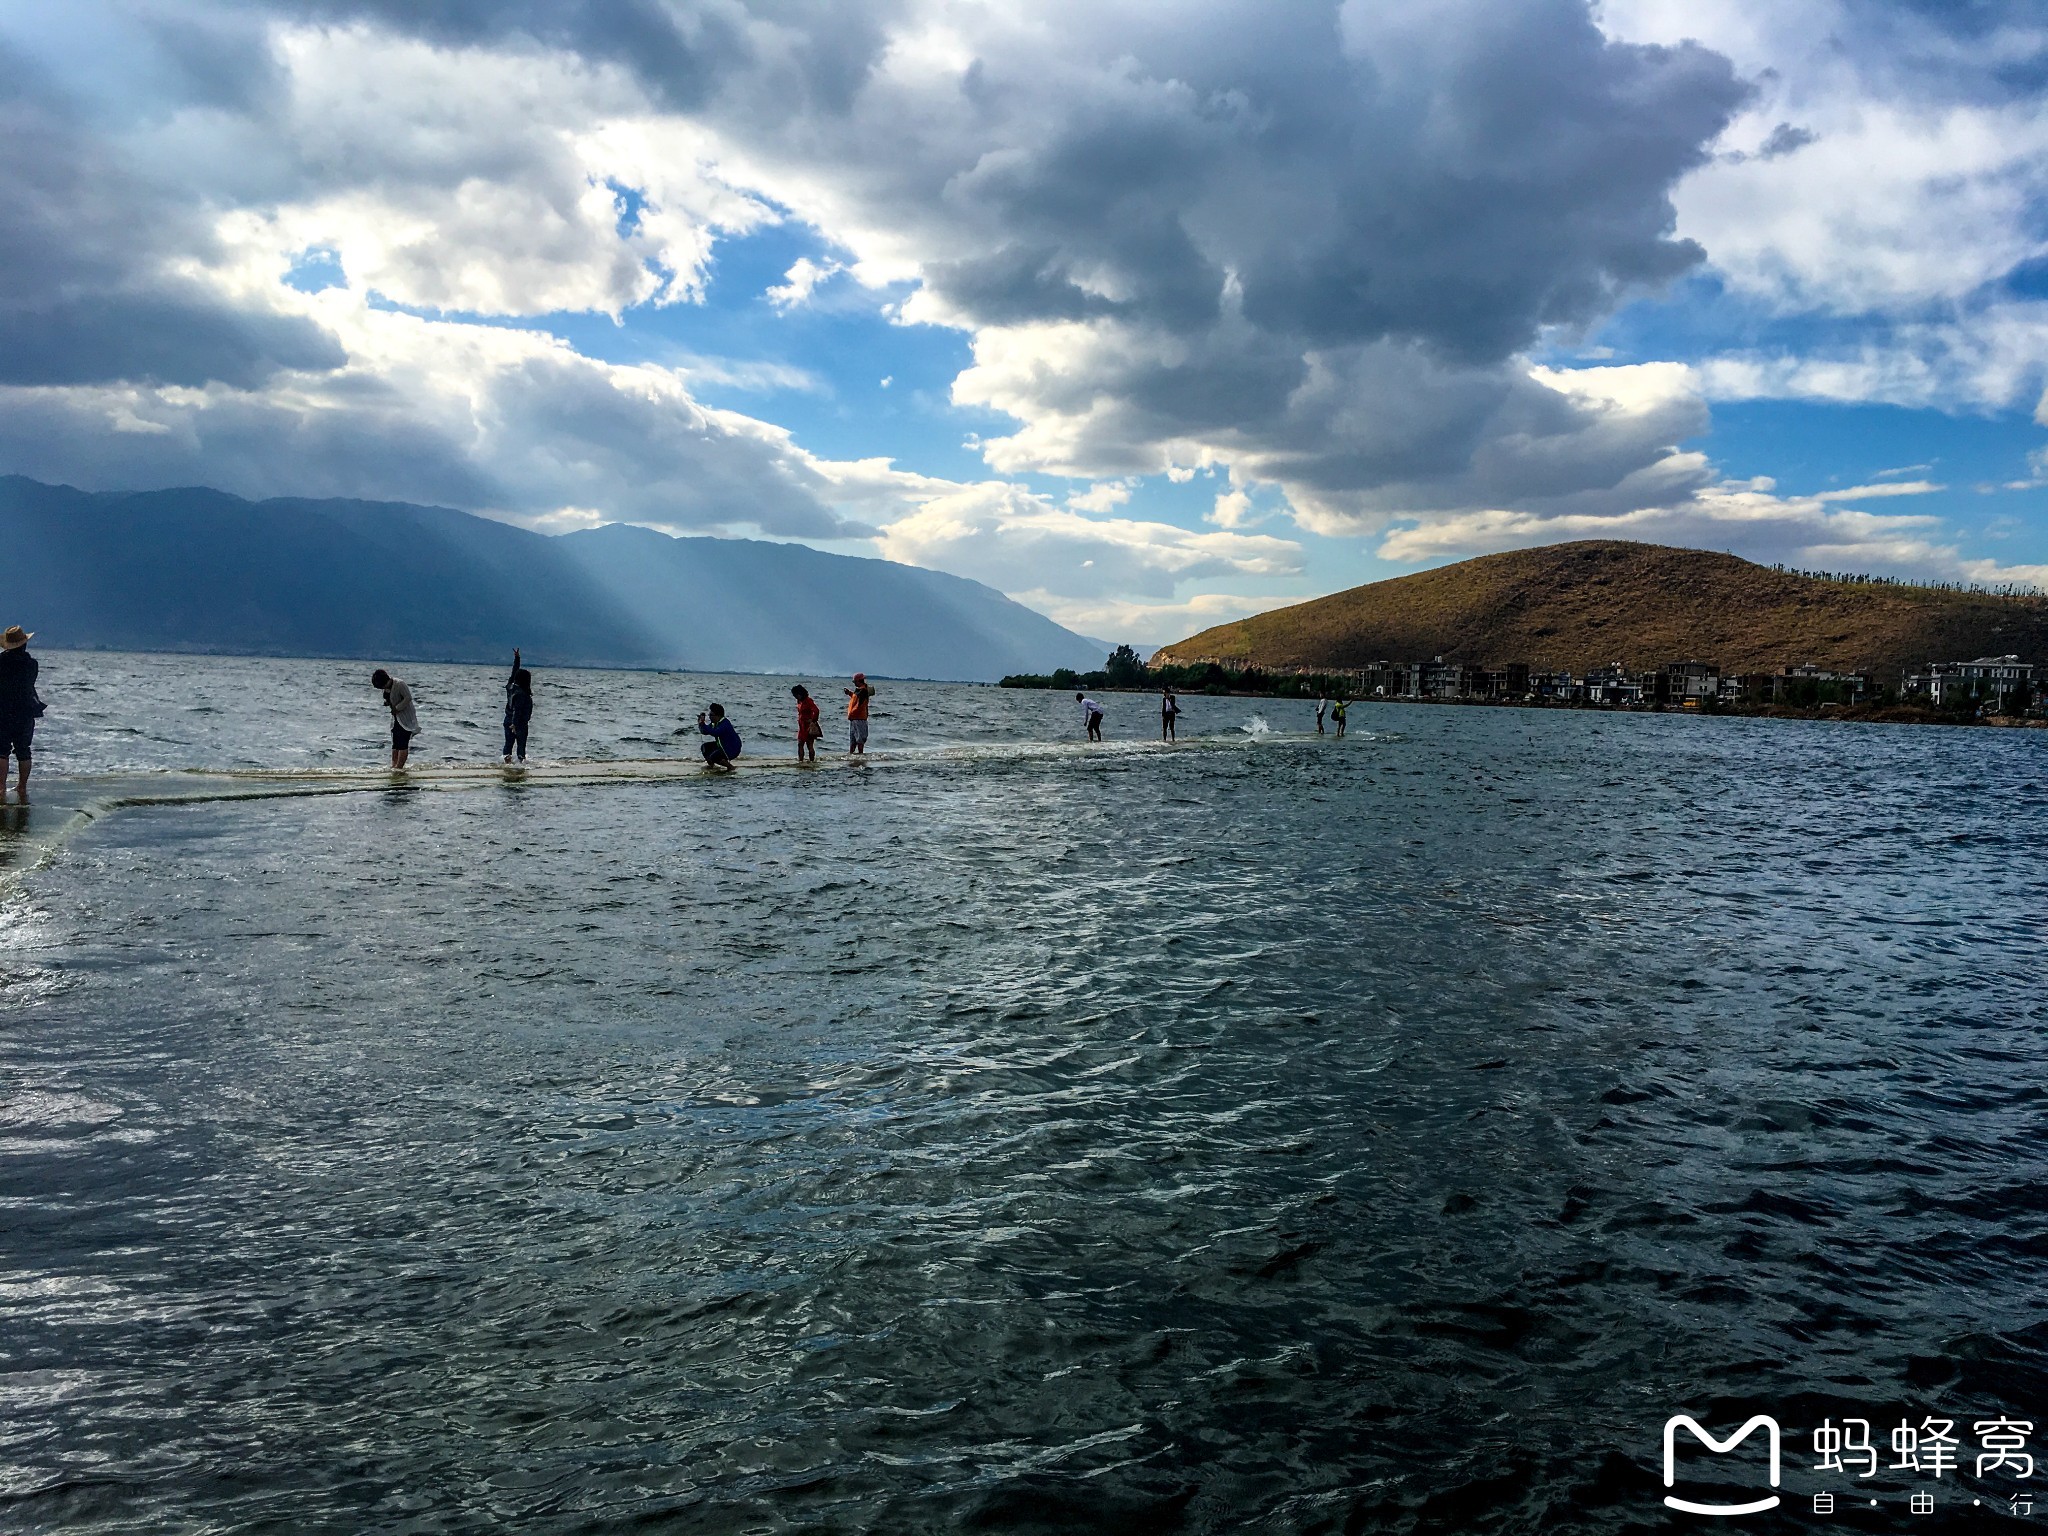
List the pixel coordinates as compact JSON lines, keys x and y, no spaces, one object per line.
{"x":15,"y":734}
{"x":401,"y":738}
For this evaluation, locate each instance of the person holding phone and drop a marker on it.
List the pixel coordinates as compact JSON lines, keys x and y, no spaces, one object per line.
{"x":723,"y":749}
{"x":857,"y":698}
{"x":518,"y":708}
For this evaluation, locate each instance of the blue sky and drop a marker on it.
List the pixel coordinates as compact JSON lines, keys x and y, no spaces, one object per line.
{"x":1149,"y":316}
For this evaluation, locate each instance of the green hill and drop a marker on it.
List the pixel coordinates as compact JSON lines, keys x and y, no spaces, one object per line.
{"x":1584,"y":604}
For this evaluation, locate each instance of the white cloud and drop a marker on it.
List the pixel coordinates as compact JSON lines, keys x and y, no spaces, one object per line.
{"x":751,"y":374}
{"x":1233,"y":509}
{"x":1012,"y":539}
{"x":1916,"y":179}
{"x":1810,"y":532}
{"x":1988,"y":359}
{"x":504,"y":420}
{"x":801,"y":281}
{"x":1913,"y":184}
{"x":1147,"y":623}
{"x":2037,"y":465}
{"x":1883,"y":489}
{"x":487,"y":182}
{"x":1103,"y":496}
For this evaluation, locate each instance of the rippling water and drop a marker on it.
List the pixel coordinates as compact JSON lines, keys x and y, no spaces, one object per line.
{"x":1274,"y":1133}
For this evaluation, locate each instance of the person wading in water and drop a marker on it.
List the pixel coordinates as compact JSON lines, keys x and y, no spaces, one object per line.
{"x":20,"y":704}
{"x":808,"y":726}
{"x":1091,"y":715}
{"x":518,"y":708}
{"x":405,"y":719}
{"x":857,"y":715}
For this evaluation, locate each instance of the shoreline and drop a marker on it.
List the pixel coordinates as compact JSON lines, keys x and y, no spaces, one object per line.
{"x":1861,"y":714}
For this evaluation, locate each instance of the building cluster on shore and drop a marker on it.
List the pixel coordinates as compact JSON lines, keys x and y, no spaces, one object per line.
{"x":1998,"y":682}
{"x":1993,"y":685}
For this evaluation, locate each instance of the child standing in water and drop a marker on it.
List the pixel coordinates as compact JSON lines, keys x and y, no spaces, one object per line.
{"x":518,"y":708}
{"x":808,"y":726}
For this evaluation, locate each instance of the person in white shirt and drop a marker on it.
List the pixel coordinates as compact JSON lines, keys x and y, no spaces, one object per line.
{"x":1091,"y":716}
{"x":405,"y":719}
{"x":1321,"y":705}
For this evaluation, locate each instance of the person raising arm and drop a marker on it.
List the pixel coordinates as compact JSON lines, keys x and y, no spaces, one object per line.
{"x":518,"y":708}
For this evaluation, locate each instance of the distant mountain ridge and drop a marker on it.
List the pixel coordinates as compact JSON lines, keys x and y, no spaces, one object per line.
{"x":201,"y":570}
{"x":1583,"y":604}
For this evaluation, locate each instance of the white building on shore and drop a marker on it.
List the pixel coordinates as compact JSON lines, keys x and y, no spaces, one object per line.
{"x":1986,"y":680}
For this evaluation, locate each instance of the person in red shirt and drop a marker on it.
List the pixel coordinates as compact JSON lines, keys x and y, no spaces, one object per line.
{"x":808,"y":726}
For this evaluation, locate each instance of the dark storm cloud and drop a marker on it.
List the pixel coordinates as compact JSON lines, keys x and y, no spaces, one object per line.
{"x":687,"y":53}
{"x":1270,"y":231}
{"x":87,"y":246}
{"x":1462,"y":172}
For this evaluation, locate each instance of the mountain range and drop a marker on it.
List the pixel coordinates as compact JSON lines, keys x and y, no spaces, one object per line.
{"x":204,"y":571}
{"x":1584,"y":604}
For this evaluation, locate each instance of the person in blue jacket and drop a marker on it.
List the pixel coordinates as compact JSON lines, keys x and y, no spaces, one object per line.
{"x":724,"y":745}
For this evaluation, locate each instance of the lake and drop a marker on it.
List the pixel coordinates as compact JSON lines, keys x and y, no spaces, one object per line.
{"x":1273,"y":1132}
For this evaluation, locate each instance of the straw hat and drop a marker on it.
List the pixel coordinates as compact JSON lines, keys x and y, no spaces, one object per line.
{"x":16,"y":638}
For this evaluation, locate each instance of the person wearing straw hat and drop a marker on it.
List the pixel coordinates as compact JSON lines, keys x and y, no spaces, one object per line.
{"x":19,"y":706}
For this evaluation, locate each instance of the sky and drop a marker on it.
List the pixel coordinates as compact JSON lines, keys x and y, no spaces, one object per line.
{"x":1149,"y":314}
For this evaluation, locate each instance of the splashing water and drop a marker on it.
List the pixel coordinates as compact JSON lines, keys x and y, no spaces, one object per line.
{"x":1256,"y":727}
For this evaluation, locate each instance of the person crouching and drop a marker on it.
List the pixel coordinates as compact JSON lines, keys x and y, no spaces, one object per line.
{"x":724,"y":746}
